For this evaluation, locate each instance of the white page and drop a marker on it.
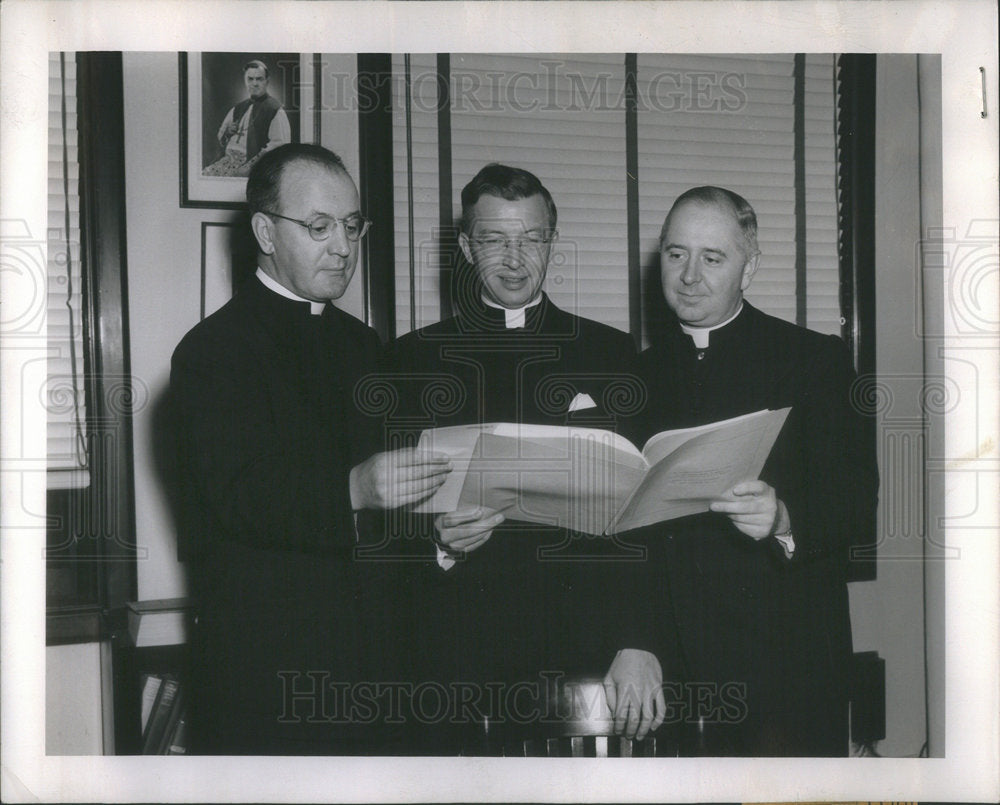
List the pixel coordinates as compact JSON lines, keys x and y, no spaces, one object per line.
{"x":663,"y":444}
{"x":457,"y":442}
{"x":564,"y":448}
{"x":702,"y":468}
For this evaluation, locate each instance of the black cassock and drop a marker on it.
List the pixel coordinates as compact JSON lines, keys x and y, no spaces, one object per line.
{"x":267,"y":432}
{"x":763,"y":641}
{"x":533,"y":599}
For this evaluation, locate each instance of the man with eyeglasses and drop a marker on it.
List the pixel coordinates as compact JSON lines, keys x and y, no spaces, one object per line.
{"x":498,"y":603}
{"x":276,"y":461}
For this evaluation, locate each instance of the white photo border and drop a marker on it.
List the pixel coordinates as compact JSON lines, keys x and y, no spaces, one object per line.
{"x":965,"y":35}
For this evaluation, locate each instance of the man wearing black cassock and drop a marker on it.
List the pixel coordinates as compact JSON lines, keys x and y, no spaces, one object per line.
{"x":492,"y":612}
{"x":757,"y":585}
{"x":276,"y":459}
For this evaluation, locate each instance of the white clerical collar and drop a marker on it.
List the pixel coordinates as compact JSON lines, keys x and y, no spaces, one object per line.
{"x":513,"y":318}
{"x":316,"y":308}
{"x":700,"y":334}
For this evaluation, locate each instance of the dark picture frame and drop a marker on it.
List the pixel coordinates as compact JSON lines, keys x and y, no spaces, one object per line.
{"x":210,"y":85}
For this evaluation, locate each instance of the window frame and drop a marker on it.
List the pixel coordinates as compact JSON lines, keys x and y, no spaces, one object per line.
{"x":856,"y":230}
{"x":94,"y":527}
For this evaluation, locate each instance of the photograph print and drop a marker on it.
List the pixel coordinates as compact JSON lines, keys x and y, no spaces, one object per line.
{"x":548,"y":260}
{"x":235,"y":107}
{"x":575,"y":198}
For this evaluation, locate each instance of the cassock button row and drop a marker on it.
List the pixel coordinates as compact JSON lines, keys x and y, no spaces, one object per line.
{"x":701,"y":355}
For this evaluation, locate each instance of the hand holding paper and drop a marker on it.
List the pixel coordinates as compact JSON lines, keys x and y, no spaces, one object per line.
{"x":467,"y":529}
{"x":752,"y":507}
{"x":397,"y":478}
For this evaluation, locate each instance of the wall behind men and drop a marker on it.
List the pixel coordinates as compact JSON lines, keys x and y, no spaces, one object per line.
{"x":887,"y":614}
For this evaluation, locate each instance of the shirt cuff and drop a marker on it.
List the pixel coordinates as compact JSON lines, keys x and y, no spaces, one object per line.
{"x":445,"y":562}
{"x":787,"y":544}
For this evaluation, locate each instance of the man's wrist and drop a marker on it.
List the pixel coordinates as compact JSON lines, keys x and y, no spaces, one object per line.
{"x":355,"y":490}
{"x":782,"y":531}
{"x":782,"y":522}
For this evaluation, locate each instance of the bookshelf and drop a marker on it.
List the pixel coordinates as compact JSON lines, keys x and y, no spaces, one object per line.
{"x":150,"y":639}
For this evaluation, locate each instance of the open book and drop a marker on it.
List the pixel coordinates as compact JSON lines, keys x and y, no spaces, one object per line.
{"x":595,"y":481}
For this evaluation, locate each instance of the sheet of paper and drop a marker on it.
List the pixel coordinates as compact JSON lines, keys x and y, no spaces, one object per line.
{"x":663,"y":444}
{"x":560,"y":475}
{"x":701,"y":469}
{"x":536,"y":432}
{"x":571,"y":482}
{"x":458,"y":443}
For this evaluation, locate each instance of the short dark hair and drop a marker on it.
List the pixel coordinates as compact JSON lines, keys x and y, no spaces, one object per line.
{"x":256,"y":64}
{"x":264,"y":184}
{"x":726,"y":199}
{"x":504,"y":182}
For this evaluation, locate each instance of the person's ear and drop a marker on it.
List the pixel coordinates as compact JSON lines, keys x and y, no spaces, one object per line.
{"x":749,"y":269}
{"x":547,"y":251}
{"x":463,"y":242}
{"x":262,"y":231}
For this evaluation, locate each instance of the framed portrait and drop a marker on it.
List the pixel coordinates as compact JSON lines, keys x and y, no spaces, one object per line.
{"x":233,"y":107}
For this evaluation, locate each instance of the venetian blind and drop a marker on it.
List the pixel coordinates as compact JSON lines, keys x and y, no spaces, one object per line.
{"x":562,"y":118}
{"x":822,"y":259}
{"x":415,"y":187}
{"x":65,"y":389}
{"x":730,"y":121}
{"x":701,"y":119}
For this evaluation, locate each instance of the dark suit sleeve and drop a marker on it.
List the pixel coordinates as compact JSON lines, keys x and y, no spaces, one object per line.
{"x":401,"y":533}
{"x":247,"y":478}
{"x":828,"y":478}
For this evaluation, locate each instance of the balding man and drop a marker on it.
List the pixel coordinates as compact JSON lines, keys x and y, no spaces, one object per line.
{"x":757,"y":586}
{"x":277,"y":459}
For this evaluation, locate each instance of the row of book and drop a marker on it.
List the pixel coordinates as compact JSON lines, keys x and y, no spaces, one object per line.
{"x":164,"y":715}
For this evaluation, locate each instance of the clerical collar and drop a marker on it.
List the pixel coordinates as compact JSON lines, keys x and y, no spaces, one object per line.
{"x":700,"y":335}
{"x":513,"y":318}
{"x":316,"y":308}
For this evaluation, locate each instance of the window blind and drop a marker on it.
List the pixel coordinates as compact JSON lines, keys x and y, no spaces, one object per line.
{"x":822,"y":264}
{"x":563,"y":119}
{"x":65,"y":387}
{"x":415,"y":154}
{"x":729,"y":121}
{"x":726,"y":121}
{"x":701,"y":119}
